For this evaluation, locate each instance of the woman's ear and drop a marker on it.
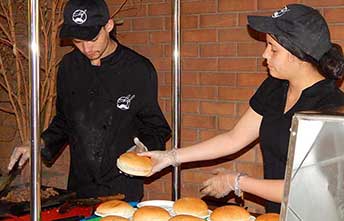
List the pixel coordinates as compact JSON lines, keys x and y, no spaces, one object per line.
{"x":109,"y":26}
{"x":293,"y":58}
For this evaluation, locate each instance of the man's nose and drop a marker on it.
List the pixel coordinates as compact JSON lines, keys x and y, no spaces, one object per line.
{"x":87,"y":46}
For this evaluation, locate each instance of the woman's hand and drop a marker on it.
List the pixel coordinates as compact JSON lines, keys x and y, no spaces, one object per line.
{"x":220,"y":185}
{"x":161,"y":159}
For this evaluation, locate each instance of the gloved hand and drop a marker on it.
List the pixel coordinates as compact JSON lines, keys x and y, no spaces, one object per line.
{"x":139,"y":147}
{"x":21,"y":153}
{"x":161,"y":159}
{"x":220,"y":185}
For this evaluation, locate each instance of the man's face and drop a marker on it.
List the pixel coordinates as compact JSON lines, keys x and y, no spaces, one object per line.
{"x":94,"y":49}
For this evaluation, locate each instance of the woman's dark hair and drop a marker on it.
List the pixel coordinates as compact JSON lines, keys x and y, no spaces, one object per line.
{"x":331,"y":64}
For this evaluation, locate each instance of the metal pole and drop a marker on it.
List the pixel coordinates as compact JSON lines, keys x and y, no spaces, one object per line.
{"x":33,"y":15}
{"x":176,"y":96}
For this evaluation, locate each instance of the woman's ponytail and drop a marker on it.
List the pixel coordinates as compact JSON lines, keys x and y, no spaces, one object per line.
{"x":332,"y":63}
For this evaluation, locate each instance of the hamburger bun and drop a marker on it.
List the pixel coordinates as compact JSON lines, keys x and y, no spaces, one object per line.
{"x":133,"y":164}
{"x":268,"y":217}
{"x":115,"y":208}
{"x":191,"y":206}
{"x":230,"y":213}
{"x":113,"y":218}
{"x":185,"y":218}
{"x":151,"y":213}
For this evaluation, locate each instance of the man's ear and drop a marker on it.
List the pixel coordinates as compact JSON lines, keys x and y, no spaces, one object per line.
{"x":109,"y":26}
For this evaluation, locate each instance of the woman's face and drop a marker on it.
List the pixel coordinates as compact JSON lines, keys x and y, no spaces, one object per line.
{"x":279,"y":60}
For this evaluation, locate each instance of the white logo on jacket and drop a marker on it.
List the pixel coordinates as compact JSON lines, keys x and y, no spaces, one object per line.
{"x":280,"y":12}
{"x":123,"y":102}
{"x":79,"y":16}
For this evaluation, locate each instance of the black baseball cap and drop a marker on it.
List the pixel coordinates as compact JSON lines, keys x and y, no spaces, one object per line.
{"x":299,"y":25}
{"x":83,"y":19}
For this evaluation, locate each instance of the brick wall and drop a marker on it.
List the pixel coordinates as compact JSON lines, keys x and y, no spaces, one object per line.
{"x":221,"y":69}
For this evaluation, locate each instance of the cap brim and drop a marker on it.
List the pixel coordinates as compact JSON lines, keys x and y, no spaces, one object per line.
{"x":78,"y":32}
{"x":263,"y":24}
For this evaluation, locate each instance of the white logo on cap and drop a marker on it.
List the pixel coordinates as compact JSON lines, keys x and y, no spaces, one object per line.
{"x":79,"y":16}
{"x":280,"y":12}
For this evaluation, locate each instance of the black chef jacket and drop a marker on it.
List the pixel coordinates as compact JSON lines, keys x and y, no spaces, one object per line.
{"x":269,"y":101}
{"x":99,"y":110}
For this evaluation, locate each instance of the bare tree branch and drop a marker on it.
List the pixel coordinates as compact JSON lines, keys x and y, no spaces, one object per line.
{"x":6,"y":110}
{"x":119,"y":9}
{"x":7,"y":42}
{"x":15,"y":110}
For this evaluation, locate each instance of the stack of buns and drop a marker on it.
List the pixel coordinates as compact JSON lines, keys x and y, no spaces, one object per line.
{"x":133,"y":164}
{"x":115,"y":208}
{"x":191,"y":206}
{"x":152,"y":213}
{"x":268,"y":217}
{"x":184,"y":209}
{"x":230,"y":213}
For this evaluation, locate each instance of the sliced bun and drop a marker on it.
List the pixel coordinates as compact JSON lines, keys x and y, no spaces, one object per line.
{"x":185,"y":218}
{"x":115,"y":208}
{"x":151,"y":213}
{"x":191,"y":206}
{"x":268,"y":217}
{"x":133,"y":164}
{"x":114,"y":218}
{"x":230,"y":213}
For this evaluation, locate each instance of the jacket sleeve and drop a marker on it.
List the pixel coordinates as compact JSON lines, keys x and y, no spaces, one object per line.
{"x":55,"y":136}
{"x":154,"y":130}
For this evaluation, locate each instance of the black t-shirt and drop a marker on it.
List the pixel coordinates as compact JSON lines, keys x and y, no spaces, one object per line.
{"x":269,"y":101}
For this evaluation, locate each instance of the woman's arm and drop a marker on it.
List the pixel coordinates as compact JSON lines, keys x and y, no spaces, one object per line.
{"x":268,"y":189}
{"x":224,"y":182}
{"x":244,"y":132}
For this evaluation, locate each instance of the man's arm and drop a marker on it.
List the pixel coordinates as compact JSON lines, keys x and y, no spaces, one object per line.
{"x":55,"y":137}
{"x":154,"y":130}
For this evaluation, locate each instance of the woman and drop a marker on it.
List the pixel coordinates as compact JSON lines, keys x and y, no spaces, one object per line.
{"x":303,"y":66}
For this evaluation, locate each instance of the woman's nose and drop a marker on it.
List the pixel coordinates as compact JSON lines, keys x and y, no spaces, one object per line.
{"x":266,"y":53}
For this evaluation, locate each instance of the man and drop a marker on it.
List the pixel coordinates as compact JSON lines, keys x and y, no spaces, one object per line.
{"x":106,"y":96}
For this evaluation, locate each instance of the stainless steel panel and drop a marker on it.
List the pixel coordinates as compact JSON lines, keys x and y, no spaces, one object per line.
{"x":314,"y":189}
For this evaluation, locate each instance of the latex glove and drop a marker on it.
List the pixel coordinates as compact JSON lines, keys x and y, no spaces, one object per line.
{"x":161,"y":159}
{"x":220,"y":185}
{"x":21,"y":153}
{"x":139,"y":147}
